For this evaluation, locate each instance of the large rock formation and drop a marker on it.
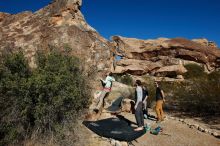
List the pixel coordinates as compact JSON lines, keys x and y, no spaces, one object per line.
{"x":58,"y":25}
{"x":163,"y":57}
{"x":61,"y":25}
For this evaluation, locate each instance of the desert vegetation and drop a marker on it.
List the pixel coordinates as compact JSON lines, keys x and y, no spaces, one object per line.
{"x":42,"y":102}
{"x":198,"y":94}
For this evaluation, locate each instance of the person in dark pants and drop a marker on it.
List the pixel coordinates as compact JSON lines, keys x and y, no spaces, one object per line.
{"x":139,"y":106}
{"x":145,"y":96}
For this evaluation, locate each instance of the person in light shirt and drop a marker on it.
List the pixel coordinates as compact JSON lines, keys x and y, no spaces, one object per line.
{"x":139,"y":106}
{"x":107,"y":85}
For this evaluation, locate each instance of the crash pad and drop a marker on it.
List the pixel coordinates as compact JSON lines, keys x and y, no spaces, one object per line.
{"x":115,"y":106}
{"x":115,"y":128}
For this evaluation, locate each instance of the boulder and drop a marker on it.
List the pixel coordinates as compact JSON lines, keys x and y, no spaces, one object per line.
{"x":120,"y":90}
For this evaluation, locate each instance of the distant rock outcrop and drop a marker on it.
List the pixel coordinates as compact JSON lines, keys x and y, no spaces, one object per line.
{"x":205,"y":42}
{"x":58,"y":25}
{"x":163,"y":57}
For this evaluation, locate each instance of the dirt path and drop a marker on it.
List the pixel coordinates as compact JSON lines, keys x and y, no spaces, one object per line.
{"x":177,"y":134}
{"x":174,"y":133}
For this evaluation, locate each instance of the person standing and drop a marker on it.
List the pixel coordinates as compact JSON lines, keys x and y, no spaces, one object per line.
{"x":159,"y":103}
{"x":107,"y":85}
{"x":139,"y":106}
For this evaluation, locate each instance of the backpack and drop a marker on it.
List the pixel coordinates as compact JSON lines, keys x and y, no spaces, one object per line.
{"x":156,"y":131}
{"x":144,"y":93}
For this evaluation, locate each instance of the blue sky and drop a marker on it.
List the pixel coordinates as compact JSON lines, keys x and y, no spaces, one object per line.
{"x":144,"y":19}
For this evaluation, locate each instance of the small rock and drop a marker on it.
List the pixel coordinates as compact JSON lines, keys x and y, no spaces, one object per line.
{"x":188,"y":124}
{"x":210,"y":132}
{"x":206,"y":131}
{"x":95,"y":136}
{"x":106,"y":139}
{"x":180,"y":77}
{"x":201,"y":129}
{"x":172,"y":118}
{"x":196,"y":126}
{"x":215,"y":134}
{"x":112,"y":142}
{"x":117,"y":143}
{"x":123,"y":143}
{"x":181,"y":120}
{"x":175,"y":118}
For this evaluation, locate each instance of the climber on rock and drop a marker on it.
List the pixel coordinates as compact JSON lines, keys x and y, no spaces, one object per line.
{"x":107,"y":85}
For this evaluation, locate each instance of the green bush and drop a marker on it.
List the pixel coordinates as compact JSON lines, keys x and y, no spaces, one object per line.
{"x":194,"y":71}
{"x":149,"y":84}
{"x":42,"y":99}
{"x":195,"y":95}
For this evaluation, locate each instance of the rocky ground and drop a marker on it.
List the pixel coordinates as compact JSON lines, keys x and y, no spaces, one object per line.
{"x":176,"y":132}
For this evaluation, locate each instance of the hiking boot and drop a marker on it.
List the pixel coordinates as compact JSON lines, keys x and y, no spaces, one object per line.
{"x":158,"y":121}
{"x":147,"y":128}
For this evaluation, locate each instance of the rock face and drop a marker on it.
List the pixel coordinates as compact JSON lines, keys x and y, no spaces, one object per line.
{"x":62,"y":25}
{"x":58,"y":25}
{"x":163,"y":57}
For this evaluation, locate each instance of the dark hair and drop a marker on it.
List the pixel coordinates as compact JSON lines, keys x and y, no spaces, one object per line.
{"x":138,"y":82}
{"x":144,"y":87}
{"x":110,"y":74}
{"x":158,"y":83}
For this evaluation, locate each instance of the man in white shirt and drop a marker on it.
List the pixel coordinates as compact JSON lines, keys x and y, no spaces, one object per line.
{"x":139,"y":106}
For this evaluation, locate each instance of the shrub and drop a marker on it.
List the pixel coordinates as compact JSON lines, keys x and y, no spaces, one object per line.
{"x":196,"y":95}
{"x":44,"y":99}
{"x":194,"y":71}
{"x":149,"y":84}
